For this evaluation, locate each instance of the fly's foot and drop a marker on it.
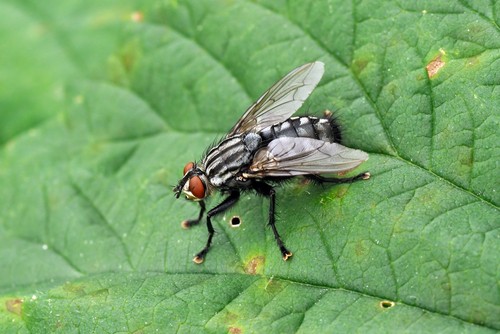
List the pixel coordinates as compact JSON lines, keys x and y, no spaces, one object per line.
{"x":186,"y":224}
{"x":286,"y":254}
{"x":360,"y":176}
{"x":200,"y":257}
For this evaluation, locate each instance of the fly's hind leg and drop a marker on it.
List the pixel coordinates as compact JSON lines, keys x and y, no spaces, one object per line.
{"x":192,"y":222}
{"x":320,"y":179}
{"x":268,"y":191}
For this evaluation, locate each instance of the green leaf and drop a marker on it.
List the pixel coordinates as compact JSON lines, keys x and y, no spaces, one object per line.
{"x":104,"y":102}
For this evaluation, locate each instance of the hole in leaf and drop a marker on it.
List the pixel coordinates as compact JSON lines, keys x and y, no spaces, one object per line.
{"x":387,"y":304}
{"x":235,"y":221}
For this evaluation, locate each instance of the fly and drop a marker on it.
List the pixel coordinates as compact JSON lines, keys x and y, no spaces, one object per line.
{"x":267,"y":146}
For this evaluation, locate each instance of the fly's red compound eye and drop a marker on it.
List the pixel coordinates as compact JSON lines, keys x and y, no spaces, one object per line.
{"x":188,"y":167}
{"x":196,"y":187}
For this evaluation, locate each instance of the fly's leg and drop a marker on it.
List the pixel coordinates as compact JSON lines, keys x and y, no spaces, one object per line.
{"x":284,"y":252}
{"x":229,"y":201}
{"x":192,"y":222}
{"x":268,"y":191}
{"x":320,"y":179}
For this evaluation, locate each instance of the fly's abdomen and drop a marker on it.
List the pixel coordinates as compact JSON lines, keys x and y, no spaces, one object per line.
{"x":306,"y":126}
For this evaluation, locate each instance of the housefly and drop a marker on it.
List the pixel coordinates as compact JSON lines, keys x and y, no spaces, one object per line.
{"x":266,"y":147}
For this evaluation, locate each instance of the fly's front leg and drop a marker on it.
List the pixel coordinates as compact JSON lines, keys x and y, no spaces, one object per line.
{"x":228,"y":202}
{"x":268,"y":191}
{"x":192,"y":222}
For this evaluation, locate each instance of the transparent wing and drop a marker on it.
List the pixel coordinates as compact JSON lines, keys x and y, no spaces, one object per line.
{"x":281,"y":100}
{"x":300,"y":156}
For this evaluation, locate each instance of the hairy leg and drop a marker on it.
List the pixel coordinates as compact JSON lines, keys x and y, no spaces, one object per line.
{"x":268,"y":191}
{"x":192,"y":222}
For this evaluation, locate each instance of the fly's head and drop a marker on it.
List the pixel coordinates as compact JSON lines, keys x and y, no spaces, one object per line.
{"x":194,"y":184}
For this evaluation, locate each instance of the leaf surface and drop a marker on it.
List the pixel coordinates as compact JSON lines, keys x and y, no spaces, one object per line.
{"x":124,"y":96}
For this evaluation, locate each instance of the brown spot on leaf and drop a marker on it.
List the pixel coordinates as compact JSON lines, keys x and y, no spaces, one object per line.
{"x":435,"y":65}
{"x":466,"y":158}
{"x":230,"y":317}
{"x":358,"y":65}
{"x":14,"y":305}
{"x":360,"y":249}
{"x":255,"y":265}
{"x":235,"y":330}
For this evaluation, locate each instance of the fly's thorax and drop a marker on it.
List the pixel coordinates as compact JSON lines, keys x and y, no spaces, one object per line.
{"x":229,"y":157}
{"x":306,"y":126}
{"x":252,"y":141}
